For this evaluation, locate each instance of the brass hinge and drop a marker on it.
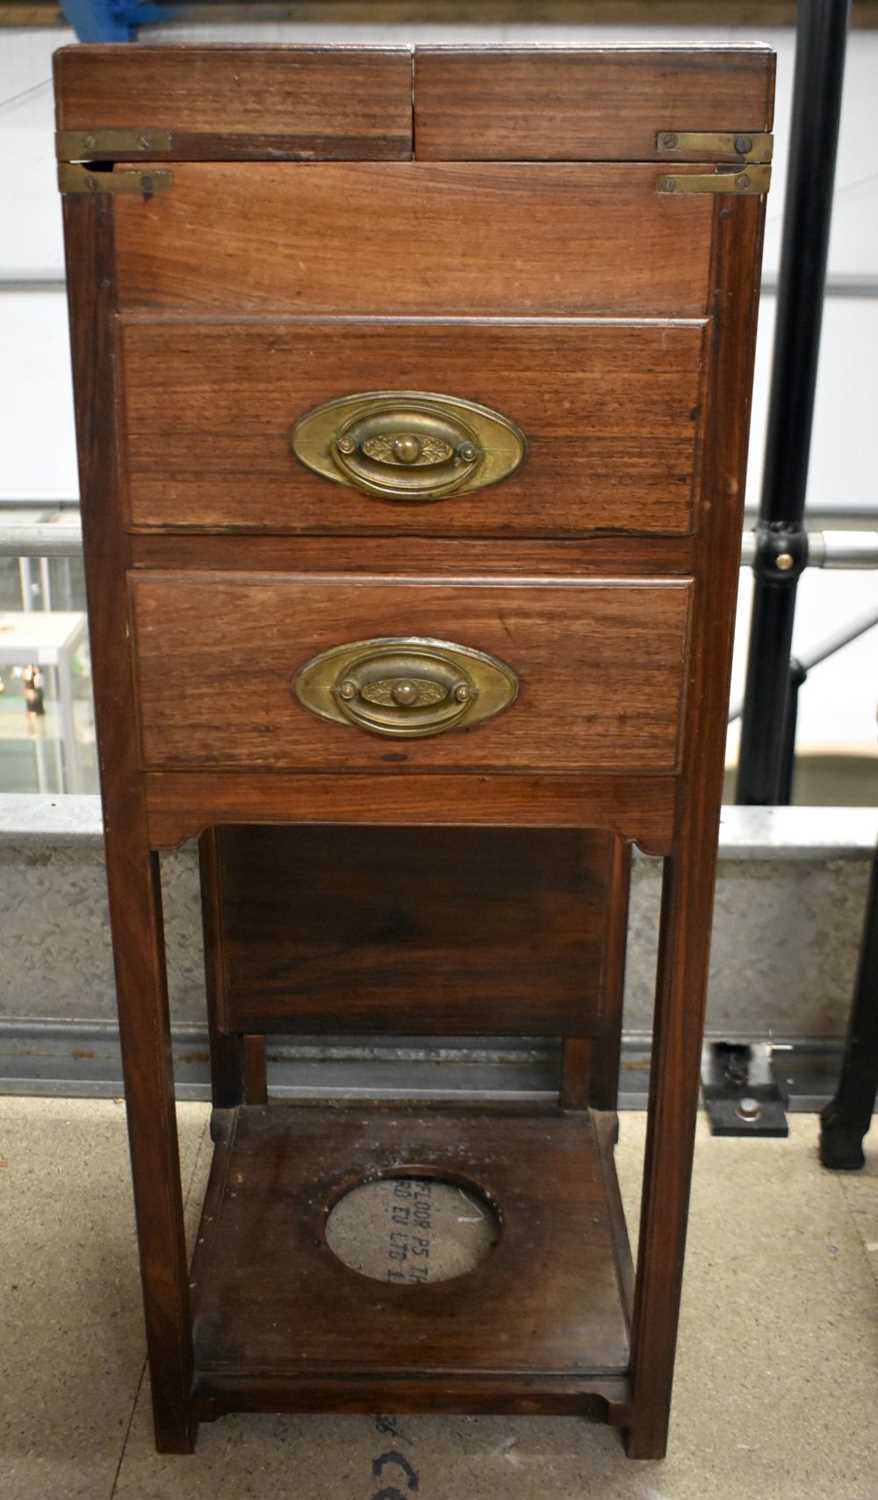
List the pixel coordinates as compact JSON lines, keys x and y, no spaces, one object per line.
{"x":106,"y":145}
{"x":706,"y":145}
{"x":73,"y":178}
{"x":754,"y":180}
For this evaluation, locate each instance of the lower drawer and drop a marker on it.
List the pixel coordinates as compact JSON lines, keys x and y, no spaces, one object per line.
{"x":597,"y":670}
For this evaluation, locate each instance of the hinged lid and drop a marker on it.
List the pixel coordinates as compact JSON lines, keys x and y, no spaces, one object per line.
{"x":593,"y":103}
{"x":293,"y":103}
{"x":234,"y":103}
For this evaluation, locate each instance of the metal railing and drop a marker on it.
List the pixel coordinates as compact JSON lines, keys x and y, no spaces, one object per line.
{"x":61,"y":536}
{"x":841,"y":284}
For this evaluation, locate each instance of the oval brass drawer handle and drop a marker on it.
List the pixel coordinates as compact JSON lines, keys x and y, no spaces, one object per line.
{"x":408,"y":445}
{"x":405,"y":686}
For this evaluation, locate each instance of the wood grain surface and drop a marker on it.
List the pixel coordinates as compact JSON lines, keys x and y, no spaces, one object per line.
{"x":589,"y":104}
{"x":246,"y":102}
{"x":546,"y":1300}
{"x":600,"y":669}
{"x":591,"y":557}
{"x":623,"y":662}
{"x":441,"y":931}
{"x":610,"y":412}
{"x":642,"y":808}
{"x":500,"y":239}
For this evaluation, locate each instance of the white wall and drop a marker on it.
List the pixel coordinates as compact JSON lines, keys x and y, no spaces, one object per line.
{"x":37,"y":454}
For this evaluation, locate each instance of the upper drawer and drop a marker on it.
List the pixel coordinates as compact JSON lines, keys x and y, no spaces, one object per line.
{"x":450,"y":239}
{"x":599,"y":669}
{"x":609,"y":410}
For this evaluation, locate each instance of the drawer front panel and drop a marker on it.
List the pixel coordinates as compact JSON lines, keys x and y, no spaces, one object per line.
{"x":599,"y":666}
{"x":501,"y":239}
{"x":610,"y":412}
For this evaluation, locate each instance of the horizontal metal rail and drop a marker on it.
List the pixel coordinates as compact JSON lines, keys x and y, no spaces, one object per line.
{"x":81,"y":1060}
{"x":62,"y":537}
{"x":843,"y":285}
{"x":828,"y":549}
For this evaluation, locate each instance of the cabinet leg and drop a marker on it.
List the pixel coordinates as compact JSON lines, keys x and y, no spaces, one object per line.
{"x":255,"y":1070}
{"x":576,"y":1053}
{"x":226,"y":1049}
{"x":141,"y":983}
{"x":606,"y":1059}
{"x":684,"y":946}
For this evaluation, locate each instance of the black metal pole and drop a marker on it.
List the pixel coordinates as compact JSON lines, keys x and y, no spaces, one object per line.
{"x":797,"y":679}
{"x":846,"y":1119}
{"x":781,"y":543}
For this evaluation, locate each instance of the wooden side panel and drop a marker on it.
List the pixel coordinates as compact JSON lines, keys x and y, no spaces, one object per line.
{"x":244,"y":102}
{"x":415,"y":930}
{"x":517,"y":104}
{"x":378,"y":238}
{"x":600,"y":669}
{"x":610,"y":412}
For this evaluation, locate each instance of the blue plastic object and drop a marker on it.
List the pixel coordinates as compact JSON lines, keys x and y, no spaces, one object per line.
{"x":111,"y":20}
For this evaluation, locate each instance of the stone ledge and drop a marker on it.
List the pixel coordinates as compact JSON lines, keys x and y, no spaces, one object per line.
{"x":29,"y":820}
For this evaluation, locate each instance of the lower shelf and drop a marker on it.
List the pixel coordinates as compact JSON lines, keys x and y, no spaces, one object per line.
{"x":540,"y":1325}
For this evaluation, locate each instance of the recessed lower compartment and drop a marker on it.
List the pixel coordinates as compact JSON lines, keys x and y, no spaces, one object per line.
{"x":403,"y":930}
{"x":541,"y":1323}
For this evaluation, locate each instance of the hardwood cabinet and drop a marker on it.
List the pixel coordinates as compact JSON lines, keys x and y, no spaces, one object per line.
{"x":412,"y":403}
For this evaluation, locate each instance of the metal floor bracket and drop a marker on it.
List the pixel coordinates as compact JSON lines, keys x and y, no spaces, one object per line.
{"x":741,"y":1093}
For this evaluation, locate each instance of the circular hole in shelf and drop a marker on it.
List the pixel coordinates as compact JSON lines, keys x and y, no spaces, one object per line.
{"x":412,"y":1229}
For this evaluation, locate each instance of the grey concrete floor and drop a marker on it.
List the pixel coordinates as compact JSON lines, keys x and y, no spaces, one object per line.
{"x":777,"y":1372}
